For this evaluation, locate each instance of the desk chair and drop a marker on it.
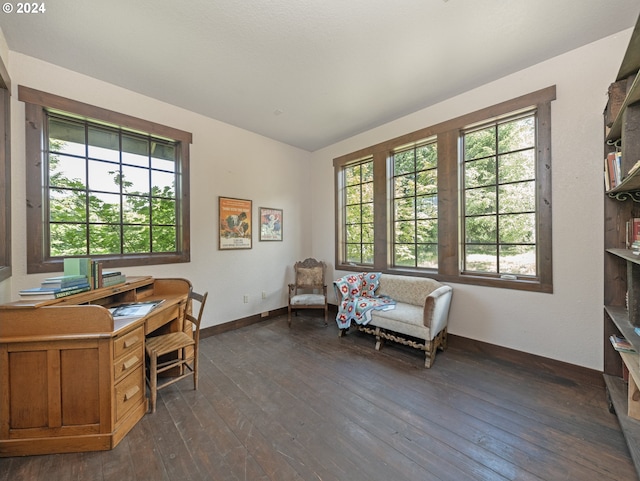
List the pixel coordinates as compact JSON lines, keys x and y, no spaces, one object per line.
{"x":183,"y":347}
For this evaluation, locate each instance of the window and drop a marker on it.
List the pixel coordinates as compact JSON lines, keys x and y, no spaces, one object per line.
{"x":5,"y":174}
{"x":467,"y":200}
{"x":415,"y":206}
{"x":358,"y":212}
{"x":110,"y":187}
{"x":500,"y":197}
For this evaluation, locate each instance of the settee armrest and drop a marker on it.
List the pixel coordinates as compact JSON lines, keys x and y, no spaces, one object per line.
{"x":436,"y":309}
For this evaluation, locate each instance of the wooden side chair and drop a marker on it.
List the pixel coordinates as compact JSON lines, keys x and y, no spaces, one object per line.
{"x":182,"y":347}
{"x":309,"y":290}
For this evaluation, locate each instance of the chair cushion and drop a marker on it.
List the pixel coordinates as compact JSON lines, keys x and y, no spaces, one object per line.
{"x":307,"y":300}
{"x":310,"y":276}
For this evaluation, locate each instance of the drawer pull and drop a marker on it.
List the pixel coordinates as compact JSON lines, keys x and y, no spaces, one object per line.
{"x":132,"y":361}
{"x":130,"y":342}
{"x":131,"y":392}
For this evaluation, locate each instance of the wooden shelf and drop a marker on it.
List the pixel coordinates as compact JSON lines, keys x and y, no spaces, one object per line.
{"x":631,"y":61}
{"x":617,"y":390}
{"x":626,"y":254}
{"x":620,"y":318}
{"x":622,"y":266}
{"x":628,"y":184}
{"x":633,"y":96}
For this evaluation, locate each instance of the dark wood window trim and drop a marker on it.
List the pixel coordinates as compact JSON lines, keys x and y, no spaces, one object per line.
{"x":448,"y":138}
{"x":35,"y":104}
{"x":5,"y":173}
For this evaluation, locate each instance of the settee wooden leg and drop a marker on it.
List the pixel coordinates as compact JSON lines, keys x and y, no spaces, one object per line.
{"x":429,"y":358}
{"x":431,"y":347}
{"x":342,"y":332}
{"x":379,"y":340}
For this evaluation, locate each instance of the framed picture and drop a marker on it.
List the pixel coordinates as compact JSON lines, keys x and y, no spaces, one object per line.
{"x":270,"y":224}
{"x":235,"y":223}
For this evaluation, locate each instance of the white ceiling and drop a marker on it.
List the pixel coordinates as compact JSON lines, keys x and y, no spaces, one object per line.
{"x":308,"y":72}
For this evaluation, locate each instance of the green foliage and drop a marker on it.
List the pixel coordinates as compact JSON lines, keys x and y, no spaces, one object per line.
{"x":498,"y":203}
{"x":359,"y":212}
{"x":500,"y":198}
{"x":415,"y":206}
{"x":102,"y":221}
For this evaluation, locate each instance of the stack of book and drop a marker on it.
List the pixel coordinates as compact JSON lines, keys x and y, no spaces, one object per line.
{"x":56,"y":287}
{"x":80,"y":274}
{"x":92,"y":270}
{"x":621,"y":344}
{"x":111,"y":278}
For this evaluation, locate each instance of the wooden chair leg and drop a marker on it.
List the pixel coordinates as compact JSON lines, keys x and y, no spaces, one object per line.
{"x":289,"y":317}
{"x":153,"y":380}
{"x":195,"y":367}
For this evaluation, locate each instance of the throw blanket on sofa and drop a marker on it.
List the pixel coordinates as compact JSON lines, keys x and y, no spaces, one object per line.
{"x":356,"y":298}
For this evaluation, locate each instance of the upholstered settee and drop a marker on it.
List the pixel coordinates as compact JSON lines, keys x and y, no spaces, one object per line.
{"x":418,"y":319}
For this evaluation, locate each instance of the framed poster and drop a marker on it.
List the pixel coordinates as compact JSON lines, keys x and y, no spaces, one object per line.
{"x":270,"y":224}
{"x":235,"y":223}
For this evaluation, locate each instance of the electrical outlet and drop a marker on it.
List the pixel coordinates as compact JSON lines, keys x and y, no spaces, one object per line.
{"x":264,"y":314}
{"x":264,"y":294}
{"x":246,"y":298}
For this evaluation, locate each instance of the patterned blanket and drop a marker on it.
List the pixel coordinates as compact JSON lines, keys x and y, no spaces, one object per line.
{"x":356,"y":298}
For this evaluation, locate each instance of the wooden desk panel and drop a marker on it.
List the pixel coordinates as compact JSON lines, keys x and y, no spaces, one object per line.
{"x":72,"y":377}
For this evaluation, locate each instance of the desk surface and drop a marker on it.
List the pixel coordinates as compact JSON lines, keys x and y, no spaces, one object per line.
{"x":87,"y":314}
{"x":158,"y":317}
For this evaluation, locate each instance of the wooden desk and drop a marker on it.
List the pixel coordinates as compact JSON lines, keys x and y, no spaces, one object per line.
{"x":71,"y":377}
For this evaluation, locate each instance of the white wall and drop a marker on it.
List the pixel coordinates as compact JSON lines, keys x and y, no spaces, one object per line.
{"x":565,"y":325}
{"x":225,"y":160}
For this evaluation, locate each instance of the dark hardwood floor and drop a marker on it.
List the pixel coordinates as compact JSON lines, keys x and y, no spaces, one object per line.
{"x":284,"y":404}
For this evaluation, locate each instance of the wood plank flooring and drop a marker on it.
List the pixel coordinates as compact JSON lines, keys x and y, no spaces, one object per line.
{"x":279,"y":404}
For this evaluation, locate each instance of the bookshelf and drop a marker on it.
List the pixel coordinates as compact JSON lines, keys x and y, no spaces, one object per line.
{"x":622,"y":266}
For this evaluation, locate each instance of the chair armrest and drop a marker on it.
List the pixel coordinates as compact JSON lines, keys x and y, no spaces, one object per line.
{"x":436,"y":309}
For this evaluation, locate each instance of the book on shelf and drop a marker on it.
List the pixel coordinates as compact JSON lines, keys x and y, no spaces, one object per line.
{"x":135,"y":309}
{"x":96,"y":274}
{"x":43,"y":293}
{"x":607,"y":175}
{"x":633,"y":233}
{"x":63,"y":281}
{"x":113,"y":280}
{"x":611,"y":172}
{"x":106,"y":274}
{"x":92,"y":271}
{"x":618,"y":166}
{"x":79,"y":266}
{"x":621,"y":344}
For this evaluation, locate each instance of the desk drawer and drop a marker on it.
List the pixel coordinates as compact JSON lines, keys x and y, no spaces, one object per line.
{"x":129,"y":392}
{"x":133,"y":358}
{"x":128,"y":342}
